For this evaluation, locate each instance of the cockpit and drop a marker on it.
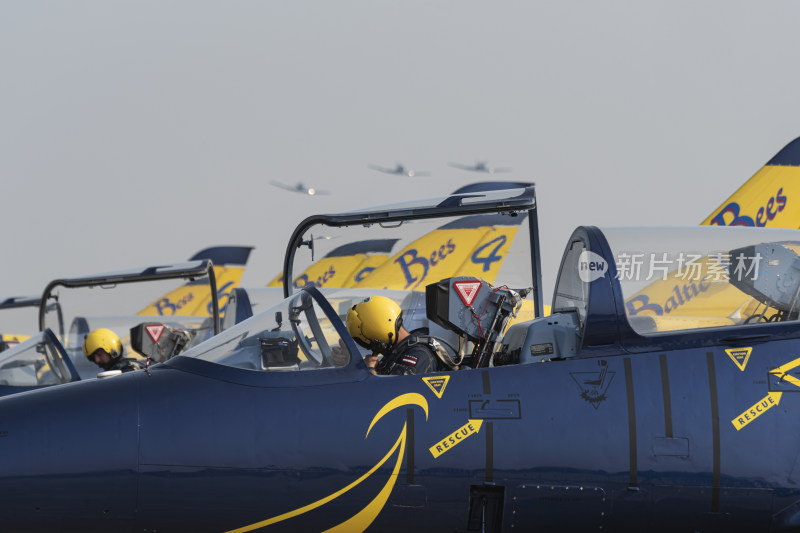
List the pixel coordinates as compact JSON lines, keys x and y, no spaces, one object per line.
{"x":39,"y":361}
{"x":300,"y":333}
{"x":642,"y":288}
{"x":618,"y":288}
{"x":691,"y":278}
{"x":72,"y":306}
{"x":397,"y":251}
{"x":178,"y":333}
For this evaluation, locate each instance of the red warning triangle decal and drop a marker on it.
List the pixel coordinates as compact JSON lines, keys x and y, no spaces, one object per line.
{"x":467,"y":290}
{"x":155,"y":331}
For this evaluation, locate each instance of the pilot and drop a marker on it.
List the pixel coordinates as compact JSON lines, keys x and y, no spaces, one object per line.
{"x":103,"y":347}
{"x":376,"y":324}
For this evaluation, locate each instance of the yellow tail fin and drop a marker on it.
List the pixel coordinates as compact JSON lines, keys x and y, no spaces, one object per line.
{"x":768,"y":198}
{"x":194,"y":298}
{"x":473,"y":245}
{"x":343,"y":266}
{"x":771,"y":197}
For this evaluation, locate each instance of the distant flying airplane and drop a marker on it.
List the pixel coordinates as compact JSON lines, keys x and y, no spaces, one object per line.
{"x":480,"y":166}
{"x":400,"y":170}
{"x":299,"y":187}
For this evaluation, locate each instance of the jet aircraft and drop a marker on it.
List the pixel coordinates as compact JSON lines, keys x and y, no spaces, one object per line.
{"x":299,"y":188}
{"x":587,"y":419}
{"x":400,"y":170}
{"x":71,"y":295}
{"x":192,"y":299}
{"x":55,"y":357}
{"x":480,"y":166}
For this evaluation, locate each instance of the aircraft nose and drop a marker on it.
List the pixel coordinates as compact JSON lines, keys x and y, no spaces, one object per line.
{"x":68,"y":452}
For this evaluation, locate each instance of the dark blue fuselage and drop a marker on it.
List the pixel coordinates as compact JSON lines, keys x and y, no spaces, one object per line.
{"x":643,"y":440}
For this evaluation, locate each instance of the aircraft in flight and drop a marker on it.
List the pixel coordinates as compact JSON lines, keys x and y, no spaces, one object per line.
{"x":400,"y":170}
{"x":480,"y":166}
{"x":299,"y":188}
{"x":586,"y":419}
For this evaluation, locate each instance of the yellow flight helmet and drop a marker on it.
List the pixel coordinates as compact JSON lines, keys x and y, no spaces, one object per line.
{"x":374,"y":322}
{"x":105,"y":339}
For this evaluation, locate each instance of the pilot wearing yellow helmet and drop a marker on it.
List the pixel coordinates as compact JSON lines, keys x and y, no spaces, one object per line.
{"x":376,"y":324}
{"x":103,"y":347}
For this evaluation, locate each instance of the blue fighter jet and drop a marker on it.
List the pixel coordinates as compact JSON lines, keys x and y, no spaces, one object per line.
{"x":606,"y":415}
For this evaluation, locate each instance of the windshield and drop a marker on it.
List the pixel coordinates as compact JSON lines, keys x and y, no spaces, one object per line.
{"x":244,"y":303}
{"x":572,"y":292}
{"x":36,"y":362}
{"x":688,"y":278}
{"x":294,"y":335}
{"x":123,"y":293}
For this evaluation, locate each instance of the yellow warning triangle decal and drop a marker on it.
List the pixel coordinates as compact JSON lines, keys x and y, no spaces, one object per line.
{"x":437,"y":384}
{"x":740,"y":356}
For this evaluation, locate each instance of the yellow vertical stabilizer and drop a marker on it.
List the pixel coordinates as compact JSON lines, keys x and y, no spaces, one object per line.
{"x":194,"y":298}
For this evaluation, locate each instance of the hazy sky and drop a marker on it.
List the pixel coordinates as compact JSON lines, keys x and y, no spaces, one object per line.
{"x":135,"y":133}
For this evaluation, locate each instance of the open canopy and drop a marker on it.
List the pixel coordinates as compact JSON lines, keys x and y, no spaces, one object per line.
{"x":99,"y":300}
{"x":488,"y":234}
{"x":629,"y":289}
{"x":643,"y":287}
